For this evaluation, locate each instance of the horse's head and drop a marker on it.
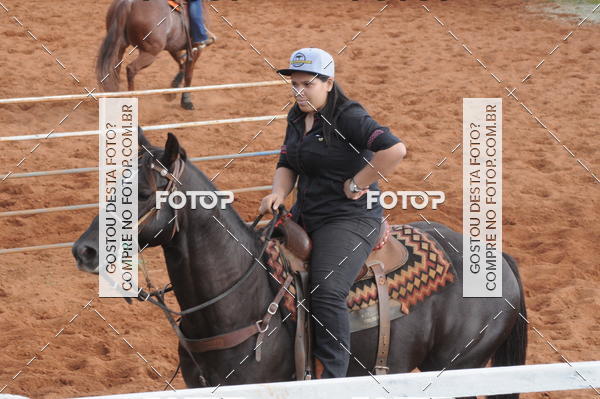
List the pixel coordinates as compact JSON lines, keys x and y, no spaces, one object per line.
{"x":158,"y":225}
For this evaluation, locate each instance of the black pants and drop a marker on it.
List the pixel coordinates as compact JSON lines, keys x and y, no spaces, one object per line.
{"x":340,"y":248}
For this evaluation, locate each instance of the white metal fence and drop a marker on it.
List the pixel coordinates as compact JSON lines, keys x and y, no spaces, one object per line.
{"x":434,"y":384}
{"x":70,"y":97}
{"x":136,"y":93}
{"x":58,"y":135}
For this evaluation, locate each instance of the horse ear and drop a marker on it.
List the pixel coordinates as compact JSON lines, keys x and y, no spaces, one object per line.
{"x":142,"y":140}
{"x":172,"y":149}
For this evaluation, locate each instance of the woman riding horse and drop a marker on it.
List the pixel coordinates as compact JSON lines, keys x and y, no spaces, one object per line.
{"x":328,"y":140}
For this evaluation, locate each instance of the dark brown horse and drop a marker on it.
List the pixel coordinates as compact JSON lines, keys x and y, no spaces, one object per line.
{"x":151,"y":27}
{"x":204,"y":260}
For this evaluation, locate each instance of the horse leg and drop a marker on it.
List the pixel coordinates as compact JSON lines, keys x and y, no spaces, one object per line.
{"x":143,"y":60}
{"x":192,"y":376}
{"x":120,"y":60}
{"x":437,"y":364}
{"x":186,"y":98}
{"x":176,"y":82}
{"x":476,"y":348}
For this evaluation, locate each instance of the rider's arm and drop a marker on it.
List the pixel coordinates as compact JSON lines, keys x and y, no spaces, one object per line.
{"x":283,"y":181}
{"x":384,"y":162}
{"x":285,"y":176}
{"x":365,"y":133}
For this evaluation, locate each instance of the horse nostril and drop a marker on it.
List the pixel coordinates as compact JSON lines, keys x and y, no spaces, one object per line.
{"x":86,"y":253}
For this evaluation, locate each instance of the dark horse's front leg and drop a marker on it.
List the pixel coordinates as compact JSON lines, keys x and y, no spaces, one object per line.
{"x":192,"y":376}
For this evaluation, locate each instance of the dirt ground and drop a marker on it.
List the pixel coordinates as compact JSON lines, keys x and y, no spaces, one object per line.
{"x":408,"y":71}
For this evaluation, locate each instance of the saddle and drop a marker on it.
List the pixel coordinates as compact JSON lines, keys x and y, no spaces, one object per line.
{"x":388,"y":255}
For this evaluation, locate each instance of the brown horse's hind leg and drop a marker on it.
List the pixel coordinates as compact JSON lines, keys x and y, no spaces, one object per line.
{"x":143,"y":60}
{"x":176,"y":82}
{"x":120,"y":60}
{"x":186,"y":98}
{"x":178,"y":78}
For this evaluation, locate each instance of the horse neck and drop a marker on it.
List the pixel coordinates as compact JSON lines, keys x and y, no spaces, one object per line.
{"x":204,"y":260}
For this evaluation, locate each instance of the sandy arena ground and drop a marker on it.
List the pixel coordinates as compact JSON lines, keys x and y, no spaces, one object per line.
{"x":407,"y":70}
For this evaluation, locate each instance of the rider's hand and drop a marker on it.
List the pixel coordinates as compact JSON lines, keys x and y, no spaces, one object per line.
{"x":270,"y":203}
{"x":350,"y":194}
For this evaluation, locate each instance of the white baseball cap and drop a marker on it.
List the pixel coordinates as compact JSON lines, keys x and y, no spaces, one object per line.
{"x":311,"y":60}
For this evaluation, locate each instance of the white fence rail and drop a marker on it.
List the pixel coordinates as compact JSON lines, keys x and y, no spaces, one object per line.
{"x":65,"y":245}
{"x":447,"y":384}
{"x":135,"y":93}
{"x":53,"y":135}
{"x":95,"y":169}
{"x":77,"y":207}
{"x":24,"y":212}
{"x":88,"y":206}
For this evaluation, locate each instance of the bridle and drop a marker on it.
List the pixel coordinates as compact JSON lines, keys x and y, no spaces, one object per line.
{"x":156,"y":297}
{"x":173,"y":178}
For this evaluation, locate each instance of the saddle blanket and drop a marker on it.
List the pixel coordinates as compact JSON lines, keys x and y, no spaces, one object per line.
{"x":427,"y":270}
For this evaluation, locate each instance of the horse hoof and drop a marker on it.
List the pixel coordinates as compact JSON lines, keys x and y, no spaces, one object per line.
{"x":188,"y":106}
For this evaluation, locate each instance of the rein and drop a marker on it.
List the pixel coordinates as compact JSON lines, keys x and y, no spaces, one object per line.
{"x":222,"y":341}
{"x":145,"y":296}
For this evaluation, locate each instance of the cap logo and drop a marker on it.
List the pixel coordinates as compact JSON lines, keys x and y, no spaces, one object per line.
{"x":299,"y":60}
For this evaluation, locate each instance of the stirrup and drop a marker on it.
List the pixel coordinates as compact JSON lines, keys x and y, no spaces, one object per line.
{"x":204,"y":43}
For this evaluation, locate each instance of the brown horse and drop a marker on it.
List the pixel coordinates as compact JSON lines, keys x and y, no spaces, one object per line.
{"x":151,"y":27}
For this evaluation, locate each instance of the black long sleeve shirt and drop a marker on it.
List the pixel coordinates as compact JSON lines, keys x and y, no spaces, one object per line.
{"x":323,"y":169}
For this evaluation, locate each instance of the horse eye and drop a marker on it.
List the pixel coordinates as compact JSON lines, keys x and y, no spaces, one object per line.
{"x":161,"y":181}
{"x":144,"y":196}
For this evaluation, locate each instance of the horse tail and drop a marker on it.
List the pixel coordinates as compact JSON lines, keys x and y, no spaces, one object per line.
{"x":115,"y":39}
{"x":513,"y":350}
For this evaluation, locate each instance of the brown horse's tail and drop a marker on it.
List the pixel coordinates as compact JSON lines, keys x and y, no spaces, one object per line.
{"x":514,"y":350}
{"x":106,"y":74}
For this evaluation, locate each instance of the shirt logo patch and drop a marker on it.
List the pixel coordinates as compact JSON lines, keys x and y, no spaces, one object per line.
{"x":376,"y":133}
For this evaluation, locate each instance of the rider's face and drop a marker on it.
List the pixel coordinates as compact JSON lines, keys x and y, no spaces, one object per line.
{"x":309,"y":90}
